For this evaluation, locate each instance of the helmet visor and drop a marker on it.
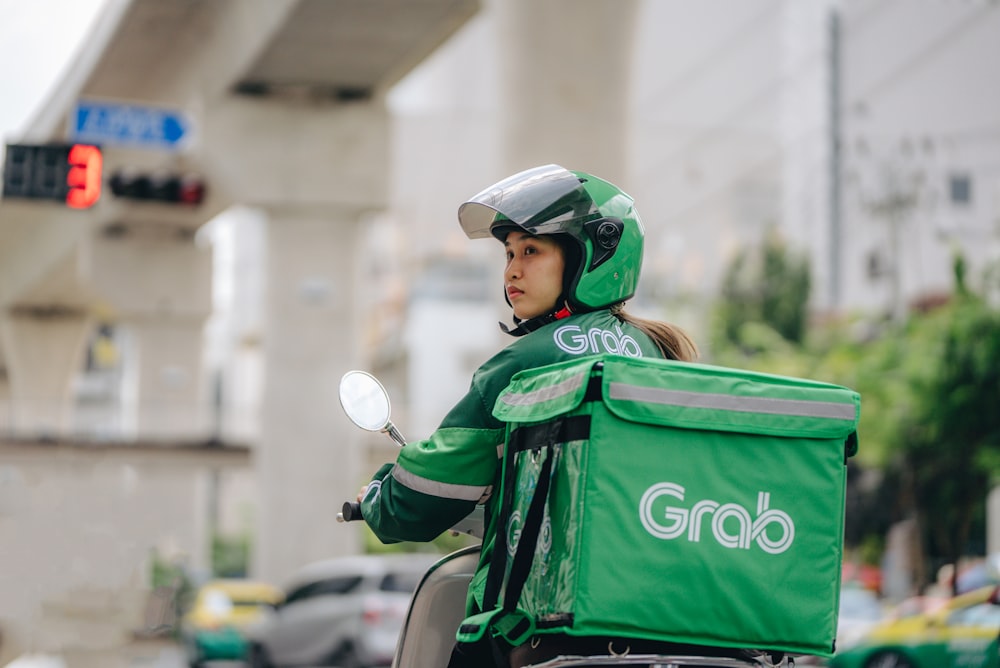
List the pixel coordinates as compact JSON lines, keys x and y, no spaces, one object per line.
{"x":540,"y":200}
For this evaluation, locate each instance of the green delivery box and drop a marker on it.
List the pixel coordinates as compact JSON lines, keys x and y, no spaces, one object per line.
{"x":674,"y":501}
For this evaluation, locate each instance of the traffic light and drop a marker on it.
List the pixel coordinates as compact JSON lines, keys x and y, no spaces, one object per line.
{"x":171,"y":188}
{"x":68,"y":173}
{"x":84,"y":176}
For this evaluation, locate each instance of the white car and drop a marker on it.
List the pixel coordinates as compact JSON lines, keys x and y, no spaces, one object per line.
{"x":860,"y":610}
{"x":340,"y":612}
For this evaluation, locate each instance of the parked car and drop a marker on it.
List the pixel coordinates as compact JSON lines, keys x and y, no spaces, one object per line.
{"x":961,"y":633}
{"x":860,"y":611}
{"x":345,"y":612}
{"x":213,"y":628}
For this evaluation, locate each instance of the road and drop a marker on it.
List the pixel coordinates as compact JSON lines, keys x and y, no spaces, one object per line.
{"x":147,"y":654}
{"x":154,"y":653}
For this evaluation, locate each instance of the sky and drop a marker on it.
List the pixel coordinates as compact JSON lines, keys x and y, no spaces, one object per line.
{"x":38,"y":38}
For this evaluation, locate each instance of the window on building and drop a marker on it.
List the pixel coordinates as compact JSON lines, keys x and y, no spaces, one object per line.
{"x":960,"y":189}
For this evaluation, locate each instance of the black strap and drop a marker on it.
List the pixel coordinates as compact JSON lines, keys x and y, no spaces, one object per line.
{"x":537,"y":436}
{"x":527,"y":326}
{"x":523,"y":327}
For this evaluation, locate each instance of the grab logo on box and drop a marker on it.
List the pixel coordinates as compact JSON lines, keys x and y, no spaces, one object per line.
{"x":730,"y":524}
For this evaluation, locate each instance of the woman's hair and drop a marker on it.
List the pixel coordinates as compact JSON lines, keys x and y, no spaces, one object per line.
{"x":672,"y":341}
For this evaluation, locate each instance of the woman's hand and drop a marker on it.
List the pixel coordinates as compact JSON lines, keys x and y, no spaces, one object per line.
{"x":361,"y":494}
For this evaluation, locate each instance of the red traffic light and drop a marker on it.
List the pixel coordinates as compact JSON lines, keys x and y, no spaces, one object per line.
{"x":84,"y":176}
{"x":68,"y":173}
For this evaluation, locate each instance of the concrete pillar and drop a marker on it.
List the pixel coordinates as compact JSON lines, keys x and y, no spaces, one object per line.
{"x":162,"y":307}
{"x":43,"y":348}
{"x":307,"y":463}
{"x":566,"y":75}
{"x":5,"y":408}
{"x":316,"y":168}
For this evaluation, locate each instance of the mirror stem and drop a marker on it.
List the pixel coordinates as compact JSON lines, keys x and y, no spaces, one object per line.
{"x":394,"y":434}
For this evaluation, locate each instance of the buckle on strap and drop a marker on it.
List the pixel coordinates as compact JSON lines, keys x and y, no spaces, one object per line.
{"x":515,"y":627}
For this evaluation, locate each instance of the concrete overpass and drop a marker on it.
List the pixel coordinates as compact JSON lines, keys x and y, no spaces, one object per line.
{"x":287,"y":108}
{"x":286,"y":103}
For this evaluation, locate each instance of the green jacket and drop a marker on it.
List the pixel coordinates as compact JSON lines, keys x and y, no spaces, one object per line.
{"x":436,"y":482}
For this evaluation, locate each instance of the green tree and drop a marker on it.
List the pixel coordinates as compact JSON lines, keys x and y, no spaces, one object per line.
{"x":845,"y":353}
{"x":230,"y":555}
{"x":930,"y":388}
{"x":770,"y":286}
{"x":950,"y":442}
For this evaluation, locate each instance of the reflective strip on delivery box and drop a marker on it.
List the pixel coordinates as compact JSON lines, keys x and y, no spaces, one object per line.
{"x":700,"y":504}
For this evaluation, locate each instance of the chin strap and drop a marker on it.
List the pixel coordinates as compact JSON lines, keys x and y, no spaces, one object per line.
{"x":523,"y":327}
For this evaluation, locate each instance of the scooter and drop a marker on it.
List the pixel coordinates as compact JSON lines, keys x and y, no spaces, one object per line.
{"x":438,"y":604}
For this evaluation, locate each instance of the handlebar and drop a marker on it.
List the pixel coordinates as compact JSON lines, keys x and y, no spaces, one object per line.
{"x":350,"y":512}
{"x":473,"y":524}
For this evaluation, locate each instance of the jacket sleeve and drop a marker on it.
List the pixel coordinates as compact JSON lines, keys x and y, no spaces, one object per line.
{"x":435,"y":483}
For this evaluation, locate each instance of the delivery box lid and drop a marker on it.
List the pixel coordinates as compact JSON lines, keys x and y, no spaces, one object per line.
{"x":686,"y":395}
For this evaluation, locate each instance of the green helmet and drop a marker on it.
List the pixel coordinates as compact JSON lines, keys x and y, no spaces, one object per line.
{"x":595,"y":222}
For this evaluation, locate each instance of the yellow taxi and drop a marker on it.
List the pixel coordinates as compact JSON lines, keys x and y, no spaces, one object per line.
{"x":961,"y":632}
{"x":214,"y":627}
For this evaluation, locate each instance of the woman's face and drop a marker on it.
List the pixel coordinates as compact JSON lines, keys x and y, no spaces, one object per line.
{"x":534,"y":274}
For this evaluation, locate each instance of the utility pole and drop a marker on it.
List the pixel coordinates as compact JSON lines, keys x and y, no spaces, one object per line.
{"x":835,"y":166}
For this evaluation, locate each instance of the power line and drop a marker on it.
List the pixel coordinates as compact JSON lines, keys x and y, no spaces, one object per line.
{"x":883,"y":84}
{"x":987,"y":133}
{"x":721,"y":52}
{"x":766,"y":93}
{"x":728,"y":48}
{"x":726,"y":186}
{"x":875,"y":7}
{"x":774,"y":157}
{"x":915,"y":62}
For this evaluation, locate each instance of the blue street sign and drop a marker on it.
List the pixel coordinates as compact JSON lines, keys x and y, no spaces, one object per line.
{"x":128,"y":125}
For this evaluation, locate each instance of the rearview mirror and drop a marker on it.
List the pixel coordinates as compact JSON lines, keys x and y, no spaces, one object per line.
{"x":367,"y":403}
{"x":364,"y":400}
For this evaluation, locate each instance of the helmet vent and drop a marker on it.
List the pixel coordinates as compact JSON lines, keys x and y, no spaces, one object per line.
{"x":605,"y":233}
{"x":608,"y":235}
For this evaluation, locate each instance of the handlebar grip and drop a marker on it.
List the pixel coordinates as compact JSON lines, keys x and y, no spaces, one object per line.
{"x":350,"y":512}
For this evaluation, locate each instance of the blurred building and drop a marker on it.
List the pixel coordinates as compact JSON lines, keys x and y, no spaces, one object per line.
{"x":865,"y":131}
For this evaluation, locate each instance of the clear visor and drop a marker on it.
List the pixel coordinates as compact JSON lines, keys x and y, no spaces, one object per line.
{"x":540,"y":200}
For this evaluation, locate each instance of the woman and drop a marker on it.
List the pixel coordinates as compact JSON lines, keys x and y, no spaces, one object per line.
{"x":574,"y":249}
